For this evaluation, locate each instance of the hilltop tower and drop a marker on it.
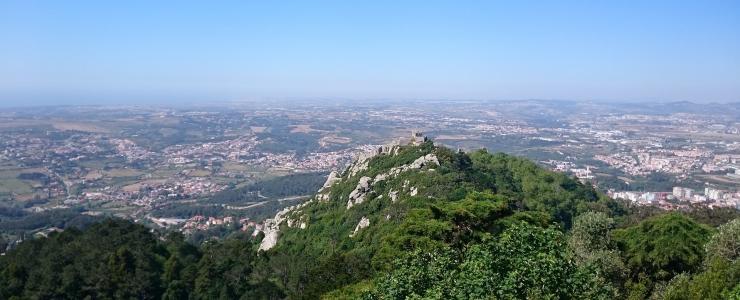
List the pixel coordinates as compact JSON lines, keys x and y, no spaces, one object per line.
{"x":417,"y":137}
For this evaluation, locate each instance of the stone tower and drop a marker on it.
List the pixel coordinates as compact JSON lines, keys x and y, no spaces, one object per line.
{"x":417,"y":137}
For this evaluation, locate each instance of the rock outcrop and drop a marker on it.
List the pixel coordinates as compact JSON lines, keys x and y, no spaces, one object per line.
{"x":364,"y":223}
{"x":364,"y":186}
{"x":271,"y":227}
{"x":358,"y":195}
{"x":323,"y":193}
{"x":364,"y":158}
{"x":423,"y":161}
{"x":333,"y":178}
{"x":292,"y":217}
{"x":393,"y":195}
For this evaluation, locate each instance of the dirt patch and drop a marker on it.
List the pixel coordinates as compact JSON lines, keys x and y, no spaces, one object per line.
{"x":333,"y":139}
{"x":302,"y":128}
{"x":137,"y":186}
{"x":199,"y":173}
{"x":453,"y":137}
{"x":94,"y":175}
{"x":76,"y":126}
{"x":257,"y":129}
{"x":721,"y":178}
{"x":122,"y":173}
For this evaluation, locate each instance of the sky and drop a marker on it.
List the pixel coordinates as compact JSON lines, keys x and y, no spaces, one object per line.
{"x":98,"y":52}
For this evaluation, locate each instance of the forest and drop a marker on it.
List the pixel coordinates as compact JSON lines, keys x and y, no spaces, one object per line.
{"x":477,"y":225}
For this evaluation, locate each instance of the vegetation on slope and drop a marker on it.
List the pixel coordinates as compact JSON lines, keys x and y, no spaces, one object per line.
{"x":466,"y":199}
{"x":474,"y":226}
{"x":117,"y":259}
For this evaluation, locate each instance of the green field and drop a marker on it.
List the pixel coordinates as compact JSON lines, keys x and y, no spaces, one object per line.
{"x":123,"y":173}
{"x":9,"y":182}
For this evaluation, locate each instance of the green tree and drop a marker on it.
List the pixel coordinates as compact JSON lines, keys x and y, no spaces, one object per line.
{"x":721,"y":274}
{"x":114,"y":258}
{"x":225,"y":272}
{"x":418,"y":276}
{"x":3,"y":244}
{"x":664,"y":246}
{"x":659,"y":248}
{"x":525,"y":261}
{"x":592,"y":246}
{"x":725,"y":244}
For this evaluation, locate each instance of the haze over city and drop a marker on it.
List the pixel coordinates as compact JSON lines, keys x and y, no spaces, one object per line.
{"x":89,"y":52}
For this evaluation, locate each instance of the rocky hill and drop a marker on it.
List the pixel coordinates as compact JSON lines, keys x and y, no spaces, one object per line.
{"x":381,"y":186}
{"x":400,"y":198}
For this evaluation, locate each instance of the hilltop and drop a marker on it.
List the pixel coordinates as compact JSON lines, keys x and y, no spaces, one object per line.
{"x":382,"y":187}
{"x":402,"y":198}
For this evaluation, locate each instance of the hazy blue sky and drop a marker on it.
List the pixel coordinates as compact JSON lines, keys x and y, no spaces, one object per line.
{"x":119,"y":51}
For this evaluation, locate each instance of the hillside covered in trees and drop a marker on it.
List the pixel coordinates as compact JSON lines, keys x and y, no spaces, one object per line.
{"x":411,"y":222}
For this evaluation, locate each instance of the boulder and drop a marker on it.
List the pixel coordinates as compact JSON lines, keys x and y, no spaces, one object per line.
{"x":364,"y":223}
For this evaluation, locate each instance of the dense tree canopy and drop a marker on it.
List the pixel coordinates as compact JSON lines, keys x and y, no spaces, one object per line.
{"x":122,"y":260}
{"x":664,"y":246}
{"x":720,"y":275}
{"x":525,"y":261}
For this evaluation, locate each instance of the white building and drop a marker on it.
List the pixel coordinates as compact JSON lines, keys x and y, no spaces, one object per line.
{"x":682,"y":193}
{"x":714,"y":194}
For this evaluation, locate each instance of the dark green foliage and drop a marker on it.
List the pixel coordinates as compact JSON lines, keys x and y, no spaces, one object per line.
{"x":455,"y":223}
{"x":659,"y":248}
{"x":655,"y":181}
{"x":121,"y":260}
{"x":632,"y":214}
{"x":186,"y":210}
{"x":279,"y":187}
{"x":335,"y":272}
{"x":280,"y":140}
{"x":592,"y":247}
{"x":41,"y":177}
{"x":224,"y":272}
{"x":720,"y":277}
{"x":268,"y":191}
{"x":180,"y":268}
{"x":725,"y":244}
{"x":525,"y":261}
{"x":11,"y":212}
{"x":714,"y":216}
{"x":110,"y":259}
{"x":533,"y":187}
{"x":664,"y":246}
{"x":62,"y":218}
{"x":418,"y":275}
{"x":717,"y":281}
